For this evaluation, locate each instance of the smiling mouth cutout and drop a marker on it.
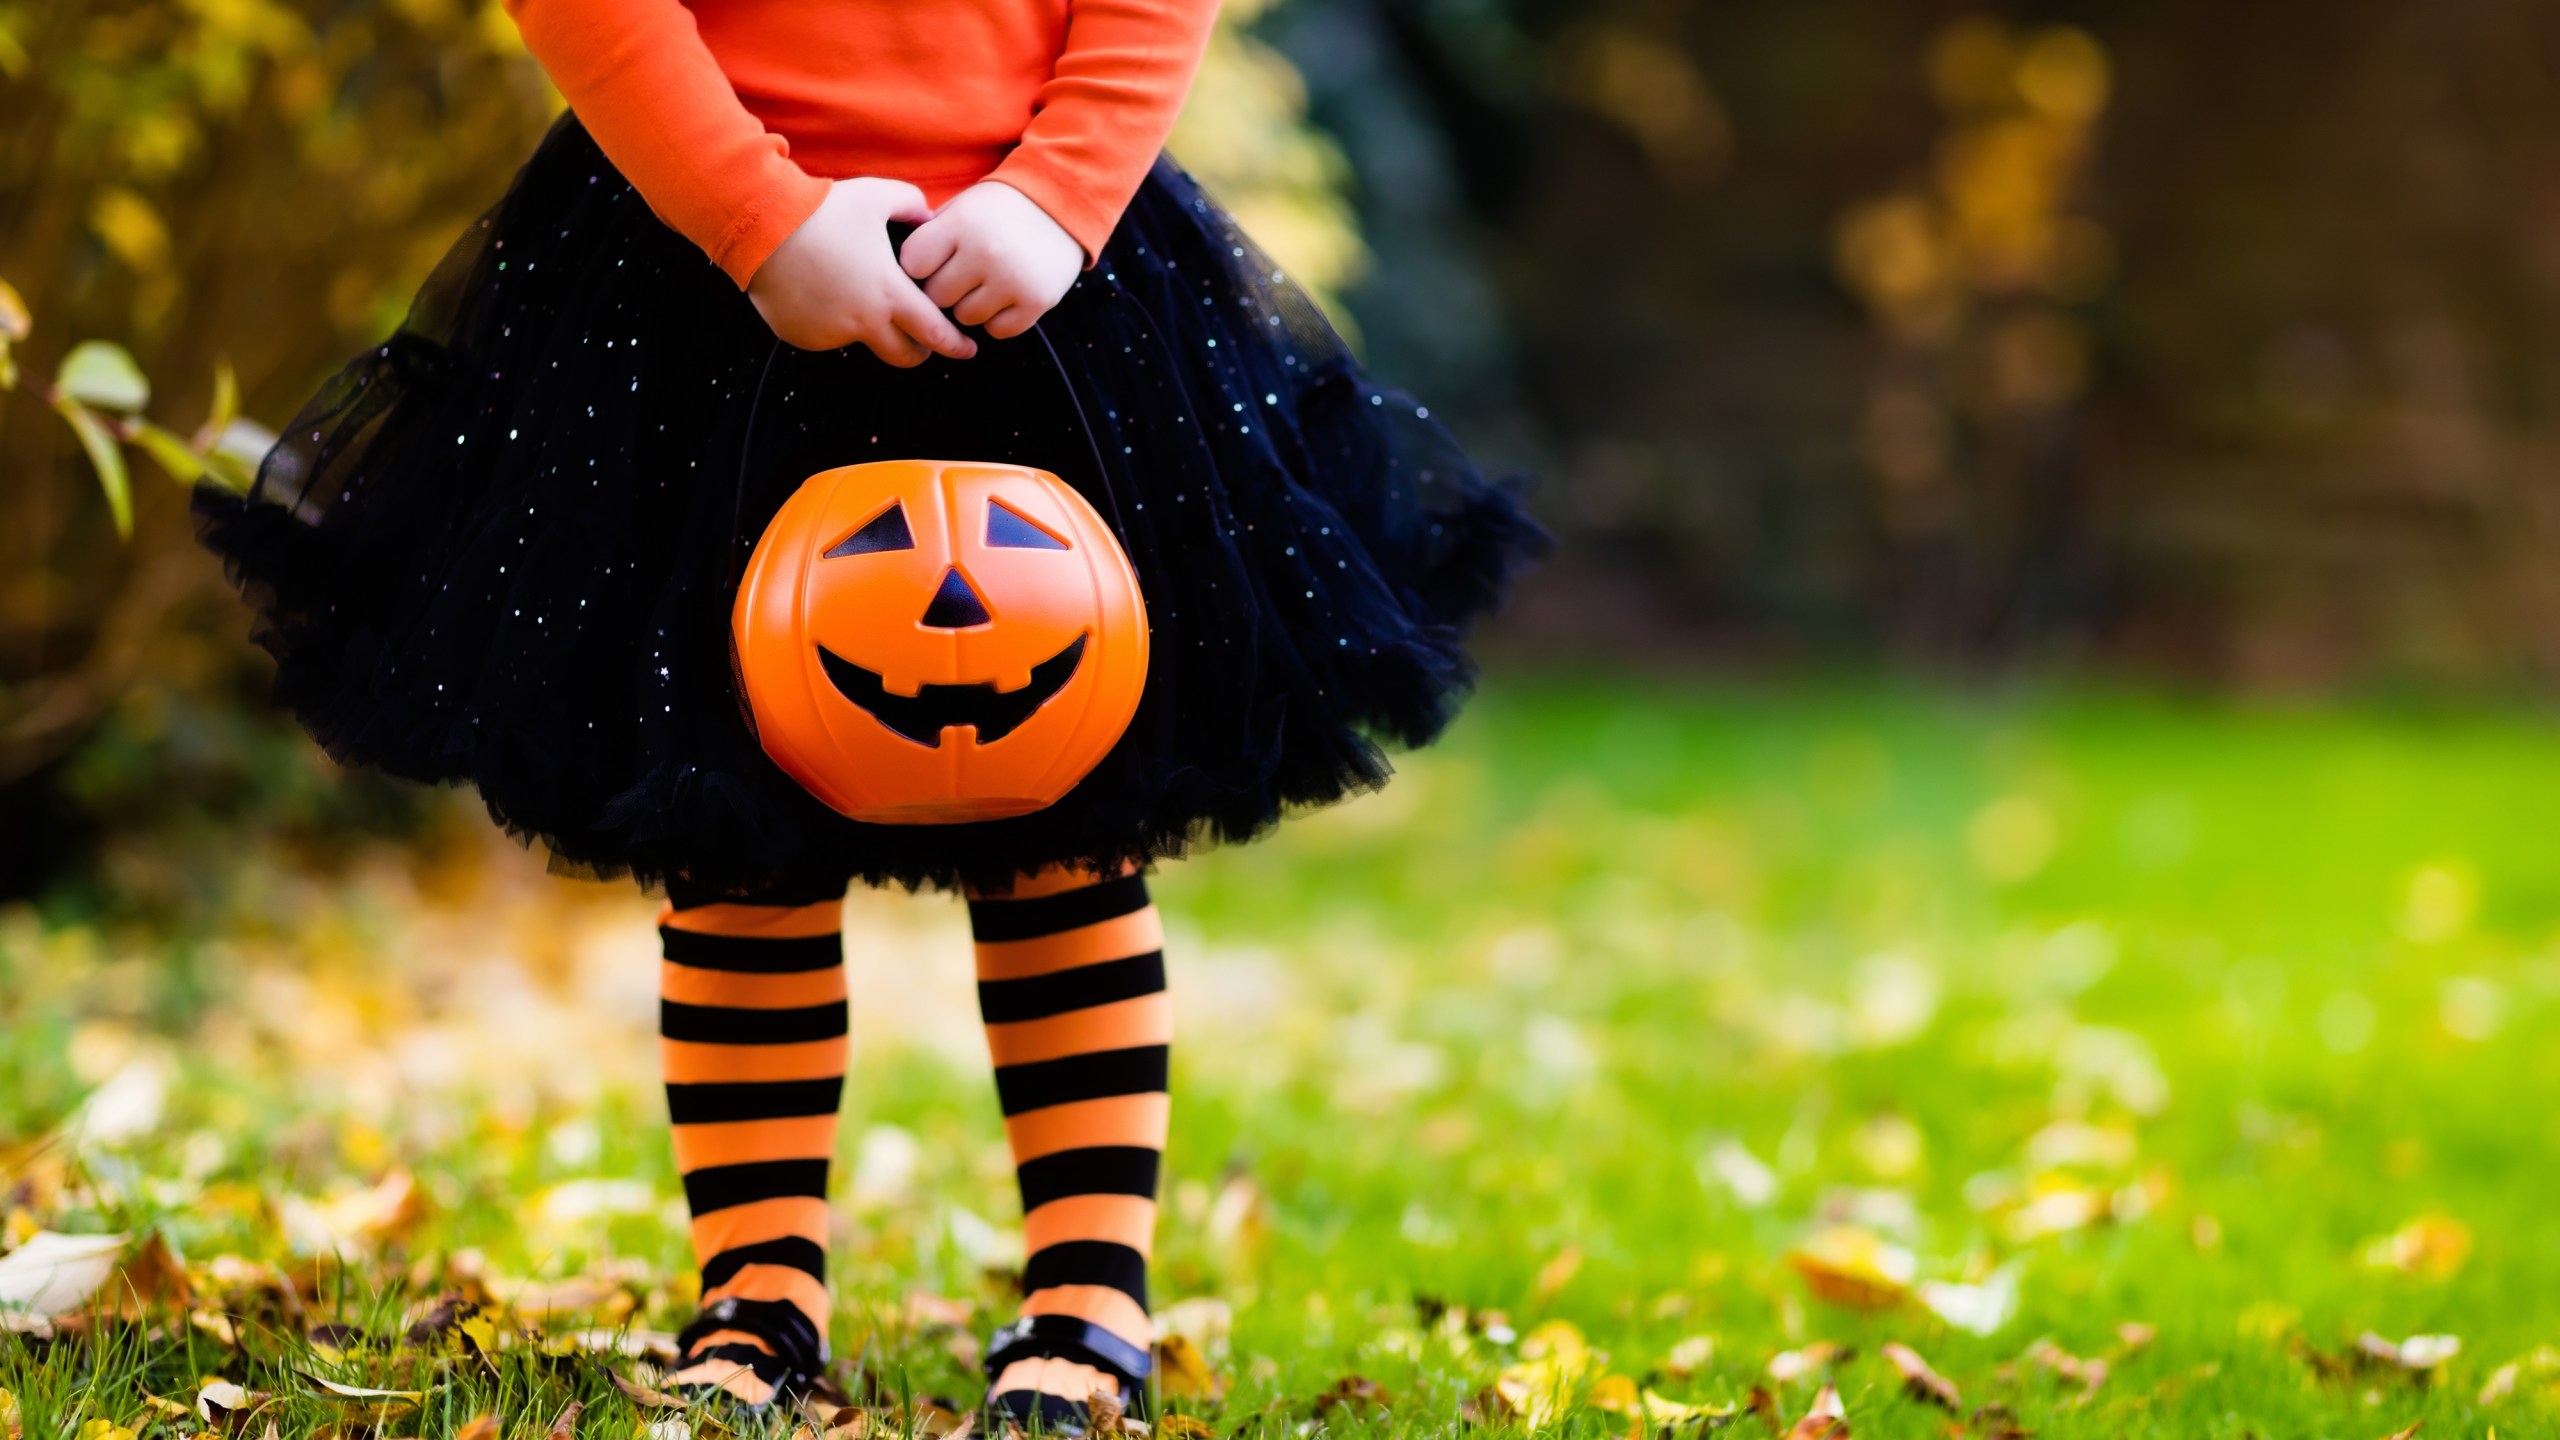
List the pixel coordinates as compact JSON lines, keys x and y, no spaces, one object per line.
{"x":923,"y":716}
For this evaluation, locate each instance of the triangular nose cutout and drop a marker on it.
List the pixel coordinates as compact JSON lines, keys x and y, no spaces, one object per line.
{"x":955,"y":606}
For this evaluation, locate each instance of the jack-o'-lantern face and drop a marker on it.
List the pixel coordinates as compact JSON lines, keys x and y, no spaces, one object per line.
{"x":926,"y":642}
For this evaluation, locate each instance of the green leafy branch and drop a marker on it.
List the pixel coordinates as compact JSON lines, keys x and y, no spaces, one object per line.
{"x":100,"y":392}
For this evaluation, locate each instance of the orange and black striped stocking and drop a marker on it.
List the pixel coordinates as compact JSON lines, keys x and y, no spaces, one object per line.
{"x":1071,"y":986}
{"x":752,"y":1044}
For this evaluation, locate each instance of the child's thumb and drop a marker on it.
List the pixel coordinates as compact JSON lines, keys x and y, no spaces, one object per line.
{"x":906,"y":202}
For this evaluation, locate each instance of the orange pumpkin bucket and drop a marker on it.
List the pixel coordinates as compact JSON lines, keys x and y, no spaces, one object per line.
{"x":926,"y":642}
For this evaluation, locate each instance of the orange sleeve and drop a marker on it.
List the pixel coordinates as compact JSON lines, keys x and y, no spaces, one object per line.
{"x":650,"y":92}
{"x":1104,"y":114}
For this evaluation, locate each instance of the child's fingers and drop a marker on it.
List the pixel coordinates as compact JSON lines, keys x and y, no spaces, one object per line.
{"x":919,"y":317}
{"x":979,"y":305}
{"x":928,"y":249}
{"x":956,"y":278}
{"x":1012,"y":320}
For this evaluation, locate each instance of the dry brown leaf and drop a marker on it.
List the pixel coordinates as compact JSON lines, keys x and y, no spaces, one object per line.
{"x":1919,"y":1381}
{"x":478,"y":1427}
{"x":1184,"y":1373}
{"x":564,"y":1426}
{"x":2088,"y":1374}
{"x":642,"y":1395}
{"x":1996,"y":1421}
{"x":1178,"y":1426}
{"x":1850,"y":1266}
{"x":1765,"y":1405}
{"x":1827,"y":1420}
{"x":150,"y":1274}
{"x":1357,"y":1394}
{"x":2405,"y":1431}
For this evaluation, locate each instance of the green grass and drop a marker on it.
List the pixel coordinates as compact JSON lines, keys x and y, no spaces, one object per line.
{"x":2290,"y":968}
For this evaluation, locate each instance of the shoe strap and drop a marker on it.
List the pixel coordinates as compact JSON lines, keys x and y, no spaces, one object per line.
{"x":1069,"y":1337}
{"x":797,"y":1345}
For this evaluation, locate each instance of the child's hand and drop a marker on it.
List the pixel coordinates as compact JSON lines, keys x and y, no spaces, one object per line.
{"x":991,"y":257}
{"x":836,"y":281}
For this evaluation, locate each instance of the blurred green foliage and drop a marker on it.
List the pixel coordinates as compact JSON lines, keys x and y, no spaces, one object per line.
{"x":214,"y":188}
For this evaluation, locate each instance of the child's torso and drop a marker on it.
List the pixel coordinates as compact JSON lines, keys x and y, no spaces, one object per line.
{"x":931,"y":93}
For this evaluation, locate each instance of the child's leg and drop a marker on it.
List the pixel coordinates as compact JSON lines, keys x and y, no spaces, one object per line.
{"x":752,"y":1020}
{"x":1071,"y":985}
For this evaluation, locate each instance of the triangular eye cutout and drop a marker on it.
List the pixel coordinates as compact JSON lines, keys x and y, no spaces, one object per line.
{"x":886,"y":531}
{"x":1007,"y":530}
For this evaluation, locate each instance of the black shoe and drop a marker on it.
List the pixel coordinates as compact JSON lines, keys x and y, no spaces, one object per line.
{"x":798,"y":1351}
{"x":1063,"y":1337}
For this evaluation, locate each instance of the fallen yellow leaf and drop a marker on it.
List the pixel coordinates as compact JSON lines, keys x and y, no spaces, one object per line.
{"x":1184,"y":1373}
{"x":1618,"y":1395}
{"x":2432,"y":1246}
{"x":1854,"y":1267}
{"x":1690,"y":1356}
{"x":1558,"y":1272}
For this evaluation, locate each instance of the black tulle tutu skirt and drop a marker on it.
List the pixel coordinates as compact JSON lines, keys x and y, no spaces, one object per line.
{"x":501,"y":547}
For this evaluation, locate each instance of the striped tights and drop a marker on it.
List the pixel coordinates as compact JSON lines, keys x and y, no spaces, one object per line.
{"x":752,"y":1023}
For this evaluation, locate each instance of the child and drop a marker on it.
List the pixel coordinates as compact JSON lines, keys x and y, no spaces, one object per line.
{"x":779,"y":236}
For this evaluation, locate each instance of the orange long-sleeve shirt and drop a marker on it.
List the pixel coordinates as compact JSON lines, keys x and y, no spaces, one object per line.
{"x":730,"y":116}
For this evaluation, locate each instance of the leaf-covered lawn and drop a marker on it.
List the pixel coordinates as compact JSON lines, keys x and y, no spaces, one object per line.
{"x":1645,"y":1059}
